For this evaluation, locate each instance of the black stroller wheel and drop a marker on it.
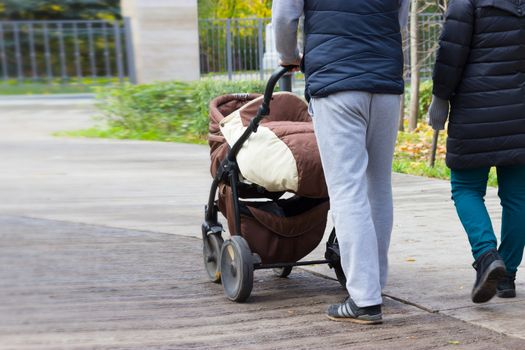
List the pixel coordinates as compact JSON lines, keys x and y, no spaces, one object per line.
{"x":282,"y":272}
{"x":333,"y":255}
{"x":212,"y":253}
{"x":236,"y":269}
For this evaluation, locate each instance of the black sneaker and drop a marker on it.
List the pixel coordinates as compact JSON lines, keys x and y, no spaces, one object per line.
{"x":507,"y":287}
{"x":490,"y":270}
{"x":348,"y":311}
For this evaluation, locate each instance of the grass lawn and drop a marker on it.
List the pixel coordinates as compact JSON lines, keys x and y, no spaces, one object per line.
{"x":56,"y":86}
{"x":121,"y":133}
{"x":43,"y":89}
{"x":412,"y":155}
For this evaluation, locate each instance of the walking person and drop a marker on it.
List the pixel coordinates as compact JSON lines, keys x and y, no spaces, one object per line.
{"x":480,"y":76}
{"x":353,"y":64}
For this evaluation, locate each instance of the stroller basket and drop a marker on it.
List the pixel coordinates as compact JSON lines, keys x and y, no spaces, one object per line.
{"x":285,"y":230}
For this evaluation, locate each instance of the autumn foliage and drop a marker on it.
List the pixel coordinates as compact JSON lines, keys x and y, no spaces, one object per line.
{"x":235,"y":8}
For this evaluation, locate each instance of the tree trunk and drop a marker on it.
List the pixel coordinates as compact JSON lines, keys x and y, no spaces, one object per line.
{"x":444,"y":6}
{"x":402,"y":114}
{"x":414,"y":67}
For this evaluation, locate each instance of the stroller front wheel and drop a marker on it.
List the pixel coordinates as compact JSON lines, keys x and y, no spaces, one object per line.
{"x":212,"y":253}
{"x":236,"y":269}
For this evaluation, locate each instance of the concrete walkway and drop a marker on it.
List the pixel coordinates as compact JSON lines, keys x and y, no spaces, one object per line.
{"x":160,"y":187}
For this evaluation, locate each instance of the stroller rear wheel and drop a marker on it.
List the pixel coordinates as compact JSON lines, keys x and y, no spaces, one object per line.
{"x":212,"y":253}
{"x":236,"y":269}
{"x":334,"y":256}
{"x":282,"y":272}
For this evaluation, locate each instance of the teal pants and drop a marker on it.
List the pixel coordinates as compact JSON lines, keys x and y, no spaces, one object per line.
{"x":469,"y":188}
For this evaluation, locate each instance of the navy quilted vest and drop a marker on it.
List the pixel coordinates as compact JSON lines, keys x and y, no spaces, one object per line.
{"x":352,"y":45}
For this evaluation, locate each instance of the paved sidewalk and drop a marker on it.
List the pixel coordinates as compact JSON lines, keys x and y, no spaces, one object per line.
{"x":89,"y":287}
{"x":160,"y":187}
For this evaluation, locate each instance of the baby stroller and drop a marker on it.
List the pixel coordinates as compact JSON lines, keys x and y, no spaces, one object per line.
{"x":263,"y":150}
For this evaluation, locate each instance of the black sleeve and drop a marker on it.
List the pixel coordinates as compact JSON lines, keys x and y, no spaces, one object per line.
{"x":454,"y":47}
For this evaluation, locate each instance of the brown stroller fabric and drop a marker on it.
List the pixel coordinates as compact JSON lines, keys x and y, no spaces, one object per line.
{"x":219,"y":108}
{"x":278,"y":230}
{"x":290,"y":126}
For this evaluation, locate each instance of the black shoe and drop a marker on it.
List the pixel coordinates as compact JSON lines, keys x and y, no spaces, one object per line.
{"x":490,"y":270}
{"x":350,"y":312}
{"x":506,"y":287}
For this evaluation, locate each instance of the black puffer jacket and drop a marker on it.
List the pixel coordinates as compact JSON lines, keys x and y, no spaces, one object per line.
{"x":480,"y":68}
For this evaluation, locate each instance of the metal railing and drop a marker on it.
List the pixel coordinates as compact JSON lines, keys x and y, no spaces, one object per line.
{"x":65,"y":51}
{"x":233,"y":48}
{"x":429,"y":25}
{"x":243,"y":49}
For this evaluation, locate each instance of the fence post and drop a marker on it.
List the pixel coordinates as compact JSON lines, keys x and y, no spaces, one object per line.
{"x":47,"y":53}
{"x":92,"y":59}
{"x":129,"y":51}
{"x":229,"y":48}
{"x":32,"y":54}
{"x":63,"y":69}
{"x":261,"y":49}
{"x":3,"y":56}
{"x":118,"y":50}
{"x":18,"y":54}
{"x":107,"y":63}
{"x":76,"y":47}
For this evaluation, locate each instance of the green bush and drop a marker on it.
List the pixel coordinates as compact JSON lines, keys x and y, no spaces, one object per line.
{"x":166,"y":111}
{"x":425,"y":98}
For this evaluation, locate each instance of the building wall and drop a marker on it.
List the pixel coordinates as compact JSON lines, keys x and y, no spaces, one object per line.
{"x":165,"y":39}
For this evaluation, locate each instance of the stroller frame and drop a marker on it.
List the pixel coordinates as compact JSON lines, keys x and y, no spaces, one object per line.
{"x":232,"y":261}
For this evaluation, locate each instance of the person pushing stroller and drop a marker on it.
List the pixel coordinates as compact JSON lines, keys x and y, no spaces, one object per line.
{"x":353,"y":64}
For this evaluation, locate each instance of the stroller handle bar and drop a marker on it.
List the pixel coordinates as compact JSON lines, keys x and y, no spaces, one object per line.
{"x":270,"y":86}
{"x":263,"y":111}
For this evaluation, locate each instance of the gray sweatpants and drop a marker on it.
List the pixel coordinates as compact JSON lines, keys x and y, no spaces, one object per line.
{"x":356,"y":132}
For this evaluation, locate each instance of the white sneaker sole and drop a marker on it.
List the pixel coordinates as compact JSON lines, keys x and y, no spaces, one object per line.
{"x":354,"y":320}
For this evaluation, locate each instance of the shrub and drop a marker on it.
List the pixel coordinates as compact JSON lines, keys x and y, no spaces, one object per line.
{"x":165,"y":111}
{"x":425,"y":98}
